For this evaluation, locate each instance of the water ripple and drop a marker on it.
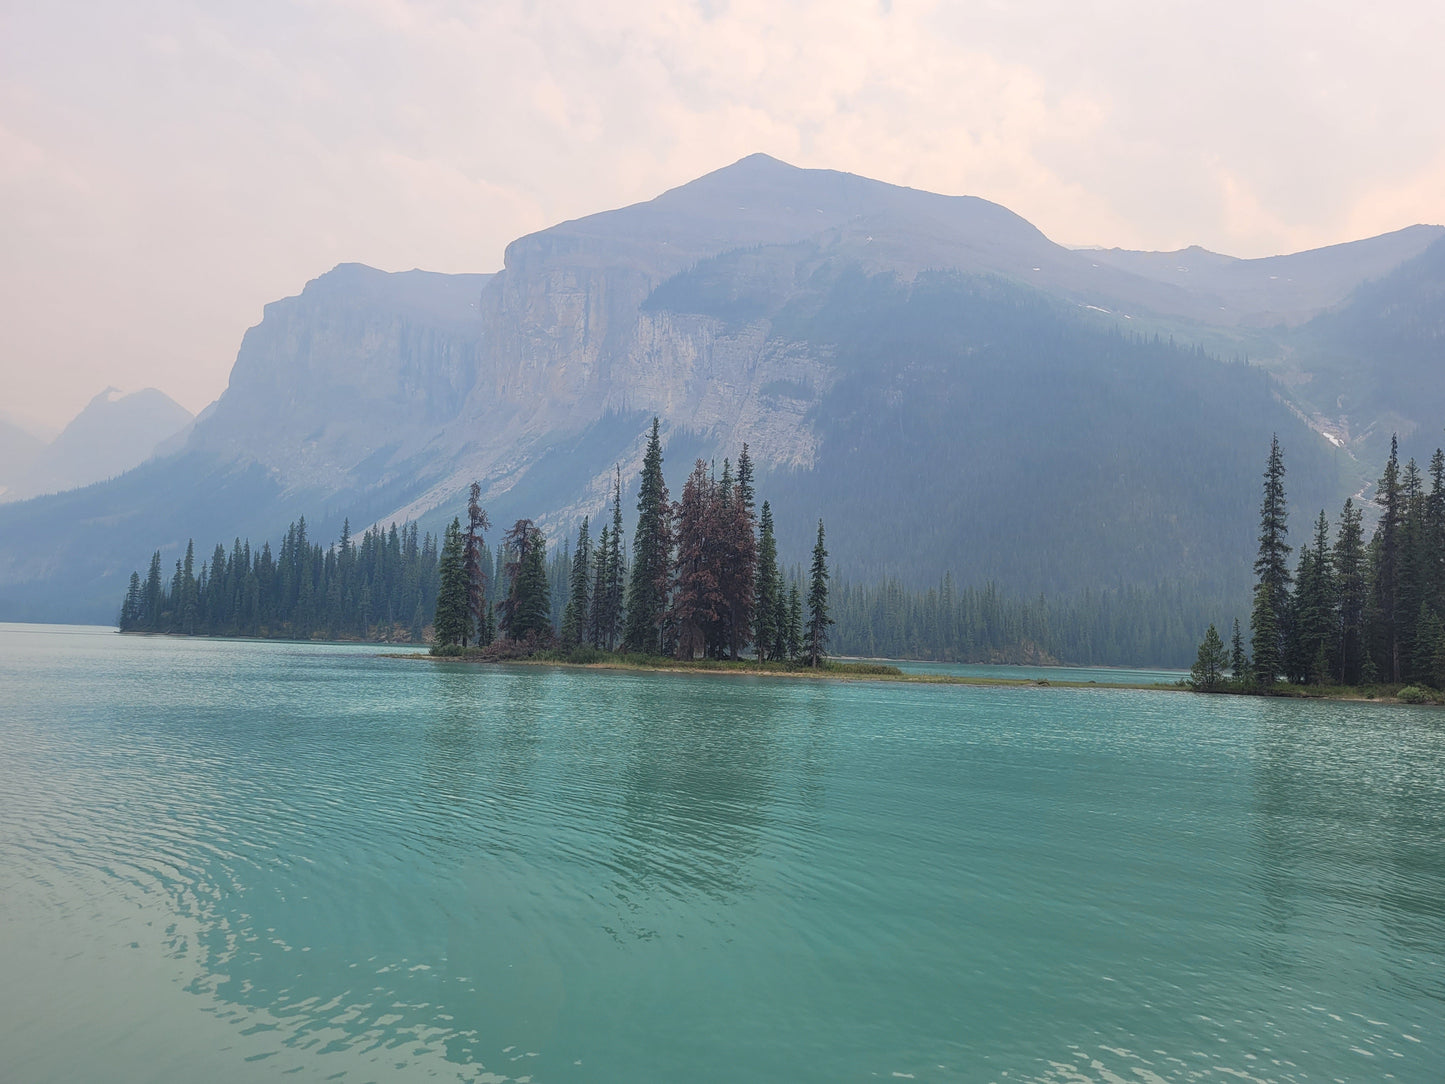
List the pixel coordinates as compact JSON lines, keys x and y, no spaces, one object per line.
{"x":244,"y":859}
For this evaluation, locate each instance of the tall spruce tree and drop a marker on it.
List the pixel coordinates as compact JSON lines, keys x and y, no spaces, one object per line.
{"x":1389,"y":495}
{"x":601,"y":576}
{"x":769,"y":587}
{"x":153,"y":595}
{"x":130,"y":609}
{"x":1238,"y":663}
{"x":651,"y":555}
{"x":452,"y":614}
{"x":616,"y":572}
{"x":1352,"y":592}
{"x":579,"y":597}
{"x":1414,"y":567}
{"x":740,"y":549}
{"x":818,"y":617}
{"x":1271,"y":569}
{"x":472,"y":565}
{"x":189,"y":607}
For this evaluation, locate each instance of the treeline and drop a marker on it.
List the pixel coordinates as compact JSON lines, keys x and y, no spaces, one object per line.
{"x":1124,"y":625}
{"x":1352,"y":612}
{"x":700,"y":577}
{"x":703,"y":579}
{"x":382,"y":588}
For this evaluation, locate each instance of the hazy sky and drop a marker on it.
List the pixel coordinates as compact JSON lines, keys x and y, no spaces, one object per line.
{"x":167,"y":167}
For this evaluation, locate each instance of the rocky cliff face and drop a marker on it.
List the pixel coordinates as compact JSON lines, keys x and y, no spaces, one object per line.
{"x":339,"y":385}
{"x":406,"y":387}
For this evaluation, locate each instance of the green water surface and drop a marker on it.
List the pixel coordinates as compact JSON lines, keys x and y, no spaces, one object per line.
{"x":231,"y":861}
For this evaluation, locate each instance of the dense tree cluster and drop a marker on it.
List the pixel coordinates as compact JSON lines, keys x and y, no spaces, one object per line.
{"x":380,"y":589}
{"x":701,"y":581}
{"x":1351,"y":612}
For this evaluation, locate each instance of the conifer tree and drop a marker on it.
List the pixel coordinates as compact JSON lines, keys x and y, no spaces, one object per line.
{"x":1351,"y":594}
{"x":651,"y":555}
{"x":574,"y":618}
{"x":153,"y":595}
{"x":452,"y":614}
{"x":739,"y":555}
{"x":616,"y":572}
{"x":1312,"y":629}
{"x":189,"y":596}
{"x":130,"y":610}
{"x":527,"y":609}
{"x":1238,"y":664}
{"x":697,"y":598}
{"x":1266,"y":640}
{"x":1390,"y":497}
{"x":782,"y":646}
{"x":1435,"y":536}
{"x":1207,"y":673}
{"x":1412,"y":565}
{"x":532,"y":614}
{"x":818,"y":618}
{"x":1272,"y":576}
{"x":765,"y":621}
{"x":477,"y":523}
{"x":601,"y":575}
{"x":795,"y":622}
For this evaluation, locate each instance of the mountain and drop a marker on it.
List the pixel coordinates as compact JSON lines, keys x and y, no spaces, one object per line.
{"x":1375,"y":364}
{"x":1275,"y":290}
{"x":111,"y":435}
{"x":944,"y":385}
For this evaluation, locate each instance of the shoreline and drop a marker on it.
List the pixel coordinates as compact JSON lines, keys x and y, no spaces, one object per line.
{"x":841,"y":671}
{"x":842,"y":668}
{"x":838,"y":672}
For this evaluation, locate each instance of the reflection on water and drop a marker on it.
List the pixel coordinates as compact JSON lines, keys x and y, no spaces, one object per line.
{"x":1352,"y":819}
{"x":695,"y":789}
{"x":344,"y":866}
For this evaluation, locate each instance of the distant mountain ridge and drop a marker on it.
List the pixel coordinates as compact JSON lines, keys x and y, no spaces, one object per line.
{"x":114,"y":433}
{"x":1277,"y":289}
{"x":996,"y":399}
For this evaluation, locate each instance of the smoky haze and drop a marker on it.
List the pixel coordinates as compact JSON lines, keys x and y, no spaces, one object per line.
{"x":168,"y":168}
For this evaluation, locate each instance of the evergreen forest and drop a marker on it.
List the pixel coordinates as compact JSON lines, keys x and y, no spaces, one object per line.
{"x":1351,"y":611}
{"x":381,"y":588}
{"x":699,"y":575}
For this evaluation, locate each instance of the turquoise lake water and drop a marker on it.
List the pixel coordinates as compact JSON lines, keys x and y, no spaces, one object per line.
{"x":228,"y":861}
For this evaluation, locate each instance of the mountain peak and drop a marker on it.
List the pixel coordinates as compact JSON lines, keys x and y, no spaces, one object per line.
{"x":760,"y":201}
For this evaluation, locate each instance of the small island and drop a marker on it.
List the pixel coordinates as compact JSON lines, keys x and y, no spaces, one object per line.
{"x":1356,"y":620}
